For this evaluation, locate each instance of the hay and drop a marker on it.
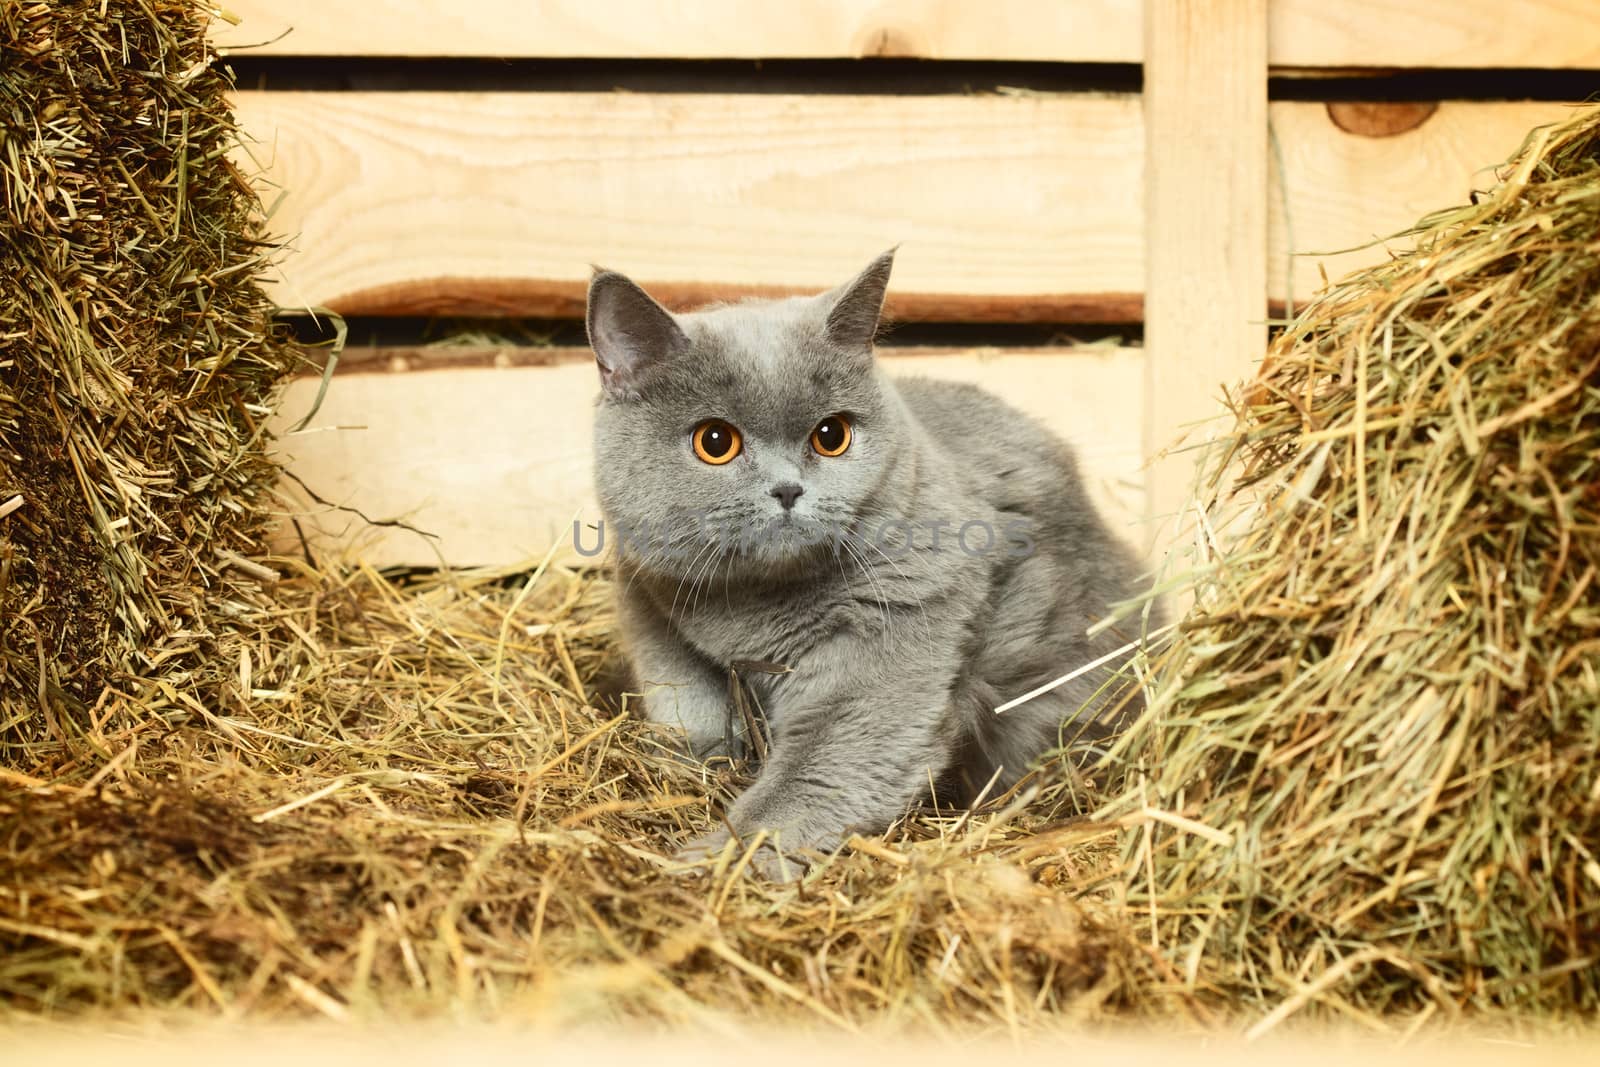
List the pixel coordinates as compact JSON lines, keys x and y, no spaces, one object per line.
{"x":404,"y":807}
{"x":1369,"y":784}
{"x":1384,"y":713}
{"x":135,"y":368}
{"x":343,"y":795}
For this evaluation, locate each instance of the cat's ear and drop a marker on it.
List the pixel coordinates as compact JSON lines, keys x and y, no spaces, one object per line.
{"x":629,"y":331}
{"x":858,"y":304}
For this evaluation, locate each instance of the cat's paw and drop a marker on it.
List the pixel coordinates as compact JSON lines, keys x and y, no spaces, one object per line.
{"x":767,"y":861}
{"x":697,"y":723}
{"x":704,"y":849}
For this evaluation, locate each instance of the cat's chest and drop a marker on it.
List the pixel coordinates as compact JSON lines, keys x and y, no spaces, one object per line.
{"x":780,"y":627}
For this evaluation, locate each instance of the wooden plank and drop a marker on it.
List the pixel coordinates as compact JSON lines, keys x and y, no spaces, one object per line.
{"x":1304,"y":33}
{"x":1023,"y":207}
{"x":456,"y":452}
{"x":1345,"y":189}
{"x":1206,"y":230}
{"x":398,"y":216}
{"x":1428,"y":33}
{"x":556,"y":298}
{"x":1084,"y":31}
{"x":394,"y":359}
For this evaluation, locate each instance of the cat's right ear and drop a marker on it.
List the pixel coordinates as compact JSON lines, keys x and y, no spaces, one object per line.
{"x":856,"y":306}
{"x":629,"y":332}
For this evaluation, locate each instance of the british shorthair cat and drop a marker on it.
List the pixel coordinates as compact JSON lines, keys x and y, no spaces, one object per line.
{"x":897,"y":556}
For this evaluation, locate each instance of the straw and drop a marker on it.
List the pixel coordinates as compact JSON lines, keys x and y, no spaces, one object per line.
{"x":399,"y":807}
{"x":257,"y":787}
{"x":1387,"y":699}
{"x":136,"y":367}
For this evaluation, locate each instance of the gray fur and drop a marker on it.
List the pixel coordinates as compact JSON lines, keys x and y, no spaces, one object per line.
{"x":896,"y":663}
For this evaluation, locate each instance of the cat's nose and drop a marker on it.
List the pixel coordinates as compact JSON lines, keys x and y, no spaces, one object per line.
{"x":787,"y":494}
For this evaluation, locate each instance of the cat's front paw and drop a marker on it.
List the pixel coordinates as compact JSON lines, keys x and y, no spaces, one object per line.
{"x":768,"y":861}
{"x":703,"y":849}
{"x":698,"y":727}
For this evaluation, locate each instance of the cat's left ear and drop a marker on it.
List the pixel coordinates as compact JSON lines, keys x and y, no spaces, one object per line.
{"x":858,"y":305}
{"x":629,"y":332}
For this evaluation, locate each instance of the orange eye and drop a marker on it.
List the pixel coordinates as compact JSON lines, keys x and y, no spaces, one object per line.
{"x":832,"y":436}
{"x":716,"y":442}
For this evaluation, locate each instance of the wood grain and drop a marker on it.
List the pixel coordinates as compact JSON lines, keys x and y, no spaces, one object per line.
{"x":1346,"y":189}
{"x":1019,"y":210}
{"x":1303,"y":33}
{"x":390,"y":359}
{"x":1206,"y":232}
{"x":1435,"y":33}
{"x":1085,"y":31}
{"x":558,"y":299}
{"x":1024,"y":199}
{"x":497,"y":461}
{"x":1368,"y":119}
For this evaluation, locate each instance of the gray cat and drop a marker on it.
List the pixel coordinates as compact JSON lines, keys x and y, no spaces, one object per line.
{"x":901,"y":556}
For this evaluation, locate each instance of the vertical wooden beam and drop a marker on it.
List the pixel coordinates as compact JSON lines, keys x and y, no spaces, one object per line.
{"x":1205,"y":113}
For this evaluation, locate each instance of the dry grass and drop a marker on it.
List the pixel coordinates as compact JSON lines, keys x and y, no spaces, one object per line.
{"x":336,"y":794}
{"x":1384,"y":713}
{"x":136,"y":370}
{"x":402,"y":804}
{"x":1368,"y":788}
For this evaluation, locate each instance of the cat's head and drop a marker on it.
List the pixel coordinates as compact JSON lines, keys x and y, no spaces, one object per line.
{"x":741,"y":434}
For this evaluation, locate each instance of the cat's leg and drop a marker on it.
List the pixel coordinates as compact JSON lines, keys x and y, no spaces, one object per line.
{"x":679,"y":686}
{"x":853,"y":763}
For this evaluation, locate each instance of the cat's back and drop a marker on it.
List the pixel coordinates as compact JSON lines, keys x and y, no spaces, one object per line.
{"x":1008,"y":457}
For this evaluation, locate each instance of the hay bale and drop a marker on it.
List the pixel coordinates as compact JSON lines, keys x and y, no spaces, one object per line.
{"x":135,"y":362}
{"x":1385,"y":709}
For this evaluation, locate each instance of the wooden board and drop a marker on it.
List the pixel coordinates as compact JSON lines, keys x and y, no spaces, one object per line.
{"x":1007,"y":207}
{"x":1098,"y":31}
{"x":1206,"y":234}
{"x":1435,"y":33}
{"x":1304,"y":33}
{"x":497,"y":460}
{"x":1346,"y":189}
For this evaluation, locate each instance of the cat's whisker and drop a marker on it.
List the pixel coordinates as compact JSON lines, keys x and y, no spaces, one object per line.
{"x":720,"y":556}
{"x":699,"y":588}
{"x":927,"y":626}
{"x":844,"y":576}
{"x":872,"y":582}
{"x":689,"y":570}
{"x":881,"y":585}
{"x":704,"y":577}
{"x":639,"y":564}
{"x":922,"y":608}
{"x":727,"y":575}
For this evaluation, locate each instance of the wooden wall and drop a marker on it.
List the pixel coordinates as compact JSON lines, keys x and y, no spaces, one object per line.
{"x":1011,"y":205}
{"x":1302,"y":33}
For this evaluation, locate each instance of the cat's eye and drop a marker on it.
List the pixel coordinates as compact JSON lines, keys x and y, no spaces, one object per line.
{"x":832,"y":436}
{"x":716,"y":442}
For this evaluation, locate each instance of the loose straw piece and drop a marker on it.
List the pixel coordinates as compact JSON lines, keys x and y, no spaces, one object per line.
{"x":316,"y":998}
{"x":249,"y":566}
{"x":310,"y":798}
{"x":1083,"y":670}
{"x":1180,"y":822}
